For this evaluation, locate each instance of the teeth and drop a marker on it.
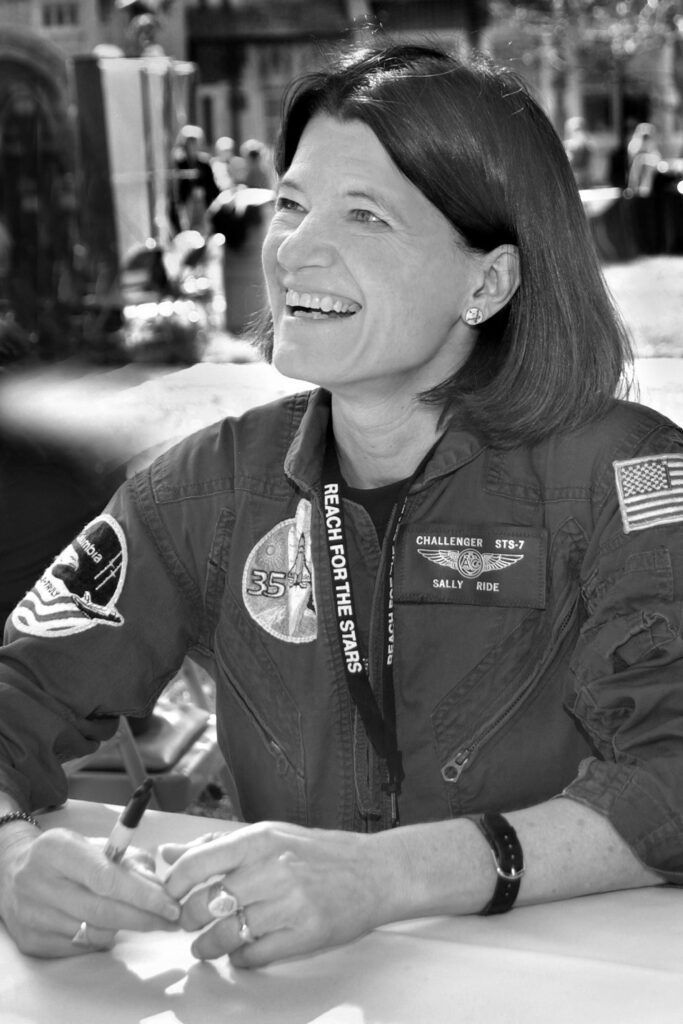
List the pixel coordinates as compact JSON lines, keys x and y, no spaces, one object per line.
{"x":323,"y":303}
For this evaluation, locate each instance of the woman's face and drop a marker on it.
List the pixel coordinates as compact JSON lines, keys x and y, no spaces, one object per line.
{"x":367,"y":280}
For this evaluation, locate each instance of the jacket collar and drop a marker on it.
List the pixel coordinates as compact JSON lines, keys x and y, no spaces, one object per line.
{"x":304,"y":459}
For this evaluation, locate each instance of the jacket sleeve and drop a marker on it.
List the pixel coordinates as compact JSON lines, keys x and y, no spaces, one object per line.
{"x":628,"y":664}
{"x":87,"y":644}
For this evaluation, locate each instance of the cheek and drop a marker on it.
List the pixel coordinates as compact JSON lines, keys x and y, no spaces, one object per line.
{"x":269,"y":257}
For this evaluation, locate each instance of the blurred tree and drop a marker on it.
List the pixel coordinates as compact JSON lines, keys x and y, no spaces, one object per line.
{"x":611,"y":31}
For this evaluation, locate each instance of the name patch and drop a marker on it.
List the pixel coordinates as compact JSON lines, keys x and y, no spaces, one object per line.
{"x":490,"y":564}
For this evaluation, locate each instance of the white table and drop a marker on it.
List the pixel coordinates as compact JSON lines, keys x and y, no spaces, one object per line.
{"x":612,"y":959}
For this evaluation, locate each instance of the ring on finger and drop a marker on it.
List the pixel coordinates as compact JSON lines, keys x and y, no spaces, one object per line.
{"x":81,"y":937}
{"x":244,"y":932}
{"x":222,"y":902}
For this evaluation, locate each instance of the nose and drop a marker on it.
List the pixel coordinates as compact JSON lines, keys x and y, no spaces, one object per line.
{"x":308,"y":244}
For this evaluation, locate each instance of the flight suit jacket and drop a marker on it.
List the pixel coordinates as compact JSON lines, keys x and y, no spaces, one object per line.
{"x":537,"y":626}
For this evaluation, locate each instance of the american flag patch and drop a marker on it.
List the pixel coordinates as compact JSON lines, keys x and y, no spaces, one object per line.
{"x":650,"y":491}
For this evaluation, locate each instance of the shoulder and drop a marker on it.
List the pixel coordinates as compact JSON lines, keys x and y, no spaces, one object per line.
{"x":229,"y":453}
{"x":628,"y":429}
{"x":580,"y":463}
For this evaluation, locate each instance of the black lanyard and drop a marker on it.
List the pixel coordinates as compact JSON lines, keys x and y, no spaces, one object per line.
{"x":380,"y":724}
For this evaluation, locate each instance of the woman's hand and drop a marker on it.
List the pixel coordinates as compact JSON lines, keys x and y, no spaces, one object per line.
{"x":51,"y":882}
{"x":298,"y":890}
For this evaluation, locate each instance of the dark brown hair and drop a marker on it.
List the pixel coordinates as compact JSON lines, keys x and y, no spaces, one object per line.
{"x":470,"y":136}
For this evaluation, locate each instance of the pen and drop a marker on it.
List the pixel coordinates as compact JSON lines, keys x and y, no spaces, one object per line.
{"x":128,"y":821}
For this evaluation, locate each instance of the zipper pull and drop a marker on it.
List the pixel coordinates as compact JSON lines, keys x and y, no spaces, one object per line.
{"x":453,"y":768}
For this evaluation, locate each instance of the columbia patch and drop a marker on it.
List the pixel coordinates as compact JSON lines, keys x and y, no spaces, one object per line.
{"x":277,"y":582}
{"x":650,"y":491}
{"x":81,"y":587}
{"x":484,"y":564}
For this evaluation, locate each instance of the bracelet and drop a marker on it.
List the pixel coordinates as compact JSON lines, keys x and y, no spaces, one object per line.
{"x":508,"y":858}
{"x":18,"y":816}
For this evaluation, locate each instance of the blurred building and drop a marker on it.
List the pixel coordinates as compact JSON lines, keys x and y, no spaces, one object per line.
{"x":78,"y":26}
{"x":247,"y":51}
{"x":602,"y":62}
{"x":83,"y":167}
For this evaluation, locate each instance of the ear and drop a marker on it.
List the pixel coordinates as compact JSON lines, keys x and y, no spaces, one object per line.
{"x":501,"y":278}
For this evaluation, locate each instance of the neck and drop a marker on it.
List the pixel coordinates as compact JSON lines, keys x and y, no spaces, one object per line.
{"x":382,"y":444}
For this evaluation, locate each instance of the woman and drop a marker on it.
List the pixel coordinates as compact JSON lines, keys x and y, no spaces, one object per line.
{"x":438,"y":592}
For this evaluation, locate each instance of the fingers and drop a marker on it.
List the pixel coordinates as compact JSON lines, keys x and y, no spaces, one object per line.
{"x":228,"y":935}
{"x":170,"y":852}
{"x":90,"y":939}
{"x":51,"y":933}
{"x":196,"y":906}
{"x":223,"y":938}
{"x":197,"y":863}
{"x":62,"y":878}
{"x":133,"y":898}
{"x":141,"y":860}
{"x":223,"y":855}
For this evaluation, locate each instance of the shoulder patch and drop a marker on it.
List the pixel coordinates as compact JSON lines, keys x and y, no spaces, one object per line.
{"x":277,"y":583}
{"x":81,"y":587}
{"x":650,"y":491}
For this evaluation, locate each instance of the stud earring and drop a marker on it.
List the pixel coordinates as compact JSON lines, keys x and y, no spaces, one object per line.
{"x":473,"y":316}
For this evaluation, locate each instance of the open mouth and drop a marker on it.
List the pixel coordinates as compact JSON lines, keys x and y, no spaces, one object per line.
{"x":319,"y":307}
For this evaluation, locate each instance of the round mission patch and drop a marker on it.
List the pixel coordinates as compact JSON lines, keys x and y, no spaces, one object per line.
{"x":278,"y":583}
{"x":81,"y":587}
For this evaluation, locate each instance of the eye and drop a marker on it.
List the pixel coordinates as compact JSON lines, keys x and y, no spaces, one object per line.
{"x":287,"y":205}
{"x":366,"y":217}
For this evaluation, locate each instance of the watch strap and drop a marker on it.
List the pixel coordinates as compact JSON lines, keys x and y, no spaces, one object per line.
{"x":508,"y":859}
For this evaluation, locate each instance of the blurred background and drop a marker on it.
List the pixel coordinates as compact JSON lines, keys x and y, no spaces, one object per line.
{"x":136,"y":136}
{"x":136,"y":186}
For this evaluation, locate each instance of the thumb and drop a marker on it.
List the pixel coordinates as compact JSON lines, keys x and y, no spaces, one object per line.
{"x":171,"y":852}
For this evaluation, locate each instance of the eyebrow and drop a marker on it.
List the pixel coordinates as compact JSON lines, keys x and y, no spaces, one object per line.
{"x":354,"y":193}
{"x":382,"y":202}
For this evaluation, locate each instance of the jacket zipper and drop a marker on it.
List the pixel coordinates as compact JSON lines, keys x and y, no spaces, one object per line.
{"x":453,"y":768}
{"x":274,"y":748}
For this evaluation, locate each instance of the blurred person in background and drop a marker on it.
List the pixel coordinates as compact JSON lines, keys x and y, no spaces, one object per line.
{"x":258,"y":172}
{"x":579,"y":149}
{"x":643,"y":158}
{"x":223,"y":155}
{"x":194,"y":185}
{"x":440,"y":594}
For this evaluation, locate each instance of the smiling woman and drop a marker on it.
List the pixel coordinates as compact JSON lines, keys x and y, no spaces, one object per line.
{"x":441,"y":591}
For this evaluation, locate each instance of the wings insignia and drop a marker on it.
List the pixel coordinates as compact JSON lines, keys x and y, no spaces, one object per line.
{"x":442,"y":556}
{"x":493,"y":561}
{"x":469,"y":562}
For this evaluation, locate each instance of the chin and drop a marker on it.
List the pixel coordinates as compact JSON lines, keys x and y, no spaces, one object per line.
{"x":290,"y":361}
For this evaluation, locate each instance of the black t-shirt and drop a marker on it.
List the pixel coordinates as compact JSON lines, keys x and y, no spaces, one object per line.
{"x":377,"y":501}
